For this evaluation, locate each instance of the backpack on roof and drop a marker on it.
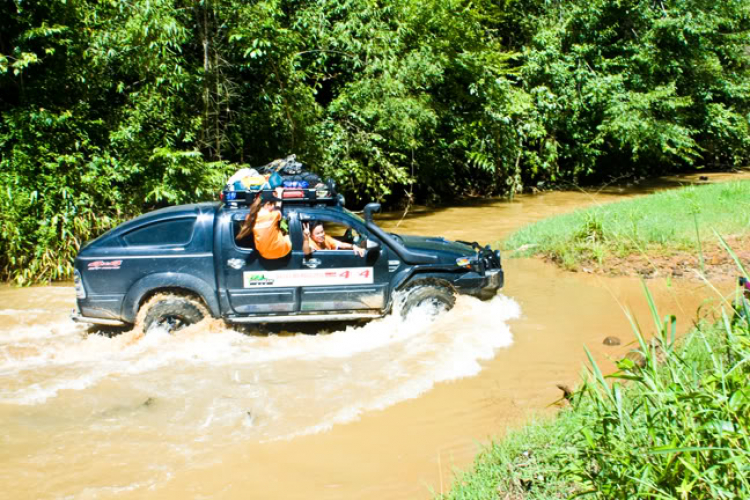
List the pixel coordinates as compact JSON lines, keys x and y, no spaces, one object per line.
{"x":283,"y":166}
{"x":294,"y":175}
{"x":287,"y":173}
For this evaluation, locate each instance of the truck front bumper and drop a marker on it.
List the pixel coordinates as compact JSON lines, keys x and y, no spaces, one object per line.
{"x":483,"y":287}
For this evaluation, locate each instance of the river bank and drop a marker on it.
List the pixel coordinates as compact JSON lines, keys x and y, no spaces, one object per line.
{"x":674,"y":233}
{"x":671,"y":420}
{"x":678,"y":428}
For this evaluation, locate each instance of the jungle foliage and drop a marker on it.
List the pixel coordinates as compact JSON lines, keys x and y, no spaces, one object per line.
{"x":112,"y":107}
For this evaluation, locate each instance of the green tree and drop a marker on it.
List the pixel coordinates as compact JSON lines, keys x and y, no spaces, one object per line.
{"x":112,"y":107}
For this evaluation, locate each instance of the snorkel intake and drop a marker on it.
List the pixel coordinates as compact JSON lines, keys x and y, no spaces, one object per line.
{"x":371,"y":208}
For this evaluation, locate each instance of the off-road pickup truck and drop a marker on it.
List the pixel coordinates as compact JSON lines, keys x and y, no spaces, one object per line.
{"x":176,"y":265}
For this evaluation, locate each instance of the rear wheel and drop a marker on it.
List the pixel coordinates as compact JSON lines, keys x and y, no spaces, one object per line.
{"x":171,"y":311}
{"x":436,"y":299}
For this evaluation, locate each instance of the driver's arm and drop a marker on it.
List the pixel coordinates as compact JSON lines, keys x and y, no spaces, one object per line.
{"x":340,"y":245}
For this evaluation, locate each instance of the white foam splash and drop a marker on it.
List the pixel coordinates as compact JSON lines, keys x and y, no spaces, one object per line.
{"x":274,"y":387}
{"x":474,"y":330}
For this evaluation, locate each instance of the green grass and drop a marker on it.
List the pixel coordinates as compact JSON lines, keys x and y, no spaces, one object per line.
{"x":675,"y":425}
{"x":668,"y":221}
{"x":527,"y":462}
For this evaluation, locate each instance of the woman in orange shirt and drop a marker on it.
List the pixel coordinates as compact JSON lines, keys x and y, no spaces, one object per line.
{"x":263,"y":222}
{"x":317,"y":238}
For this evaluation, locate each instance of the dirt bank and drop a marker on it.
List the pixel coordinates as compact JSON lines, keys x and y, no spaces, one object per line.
{"x":717,"y":263}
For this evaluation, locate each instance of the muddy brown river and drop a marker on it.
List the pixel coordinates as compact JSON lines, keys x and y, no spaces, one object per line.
{"x":389,"y":410}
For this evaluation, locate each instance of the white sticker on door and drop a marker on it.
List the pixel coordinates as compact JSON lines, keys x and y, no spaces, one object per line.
{"x":311,"y":277}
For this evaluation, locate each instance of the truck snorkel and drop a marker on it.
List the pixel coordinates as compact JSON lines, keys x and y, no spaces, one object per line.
{"x":370,"y":209}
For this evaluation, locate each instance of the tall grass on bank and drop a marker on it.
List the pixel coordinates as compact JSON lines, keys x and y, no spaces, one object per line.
{"x":674,"y":424}
{"x":665,"y":222}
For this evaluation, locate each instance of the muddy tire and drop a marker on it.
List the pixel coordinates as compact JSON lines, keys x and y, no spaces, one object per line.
{"x":172,"y":311}
{"x":441,"y":299}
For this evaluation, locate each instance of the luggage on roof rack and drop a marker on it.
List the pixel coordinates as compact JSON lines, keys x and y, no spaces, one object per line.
{"x":298,"y":184}
{"x":283,"y":166}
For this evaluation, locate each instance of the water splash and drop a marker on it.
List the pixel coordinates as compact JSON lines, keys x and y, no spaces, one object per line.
{"x":211,"y":378}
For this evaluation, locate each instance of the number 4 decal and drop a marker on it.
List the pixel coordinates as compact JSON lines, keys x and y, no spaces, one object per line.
{"x":361,"y":274}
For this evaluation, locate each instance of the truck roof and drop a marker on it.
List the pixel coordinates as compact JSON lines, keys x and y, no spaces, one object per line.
{"x":173,"y":211}
{"x":162,"y":213}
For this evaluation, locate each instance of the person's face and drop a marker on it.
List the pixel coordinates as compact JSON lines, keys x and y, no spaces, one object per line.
{"x":319,"y":234}
{"x":269,"y":206}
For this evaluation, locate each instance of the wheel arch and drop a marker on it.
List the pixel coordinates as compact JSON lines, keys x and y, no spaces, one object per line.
{"x":417,"y":280}
{"x":183,"y":284}
{"x":428,"y":287}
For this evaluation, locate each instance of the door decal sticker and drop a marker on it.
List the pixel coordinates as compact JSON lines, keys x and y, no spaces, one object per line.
{"x":312,"y":277}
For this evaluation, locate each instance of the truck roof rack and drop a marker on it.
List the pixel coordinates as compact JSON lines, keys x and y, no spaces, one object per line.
{"x":296,"y":196}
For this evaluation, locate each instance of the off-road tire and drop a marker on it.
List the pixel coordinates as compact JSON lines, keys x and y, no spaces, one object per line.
{"x":171,"y":310}
{"x":420,"y":294}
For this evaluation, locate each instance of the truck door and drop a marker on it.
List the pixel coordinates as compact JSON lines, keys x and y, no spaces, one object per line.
{"x":341,"y":280}
{"x":251,"y":282}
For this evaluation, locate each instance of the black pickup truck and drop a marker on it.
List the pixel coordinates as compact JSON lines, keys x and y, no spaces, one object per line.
{"x":174,"y":266}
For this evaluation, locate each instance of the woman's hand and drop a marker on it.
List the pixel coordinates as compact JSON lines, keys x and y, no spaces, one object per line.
{"x":359,"y":250}
{"x":306,"y":249}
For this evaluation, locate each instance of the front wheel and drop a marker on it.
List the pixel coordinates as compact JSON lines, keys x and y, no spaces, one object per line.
{"x":436,"y":299}
{"x":172,"y":312}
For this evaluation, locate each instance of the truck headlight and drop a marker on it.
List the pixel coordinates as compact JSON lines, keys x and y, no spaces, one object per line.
{"x":463,"y":262}
{"x":78,"y":281}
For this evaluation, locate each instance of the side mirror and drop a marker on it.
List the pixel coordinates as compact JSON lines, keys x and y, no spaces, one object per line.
{"x":370,"y":209}
{"x":372,"y":247}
